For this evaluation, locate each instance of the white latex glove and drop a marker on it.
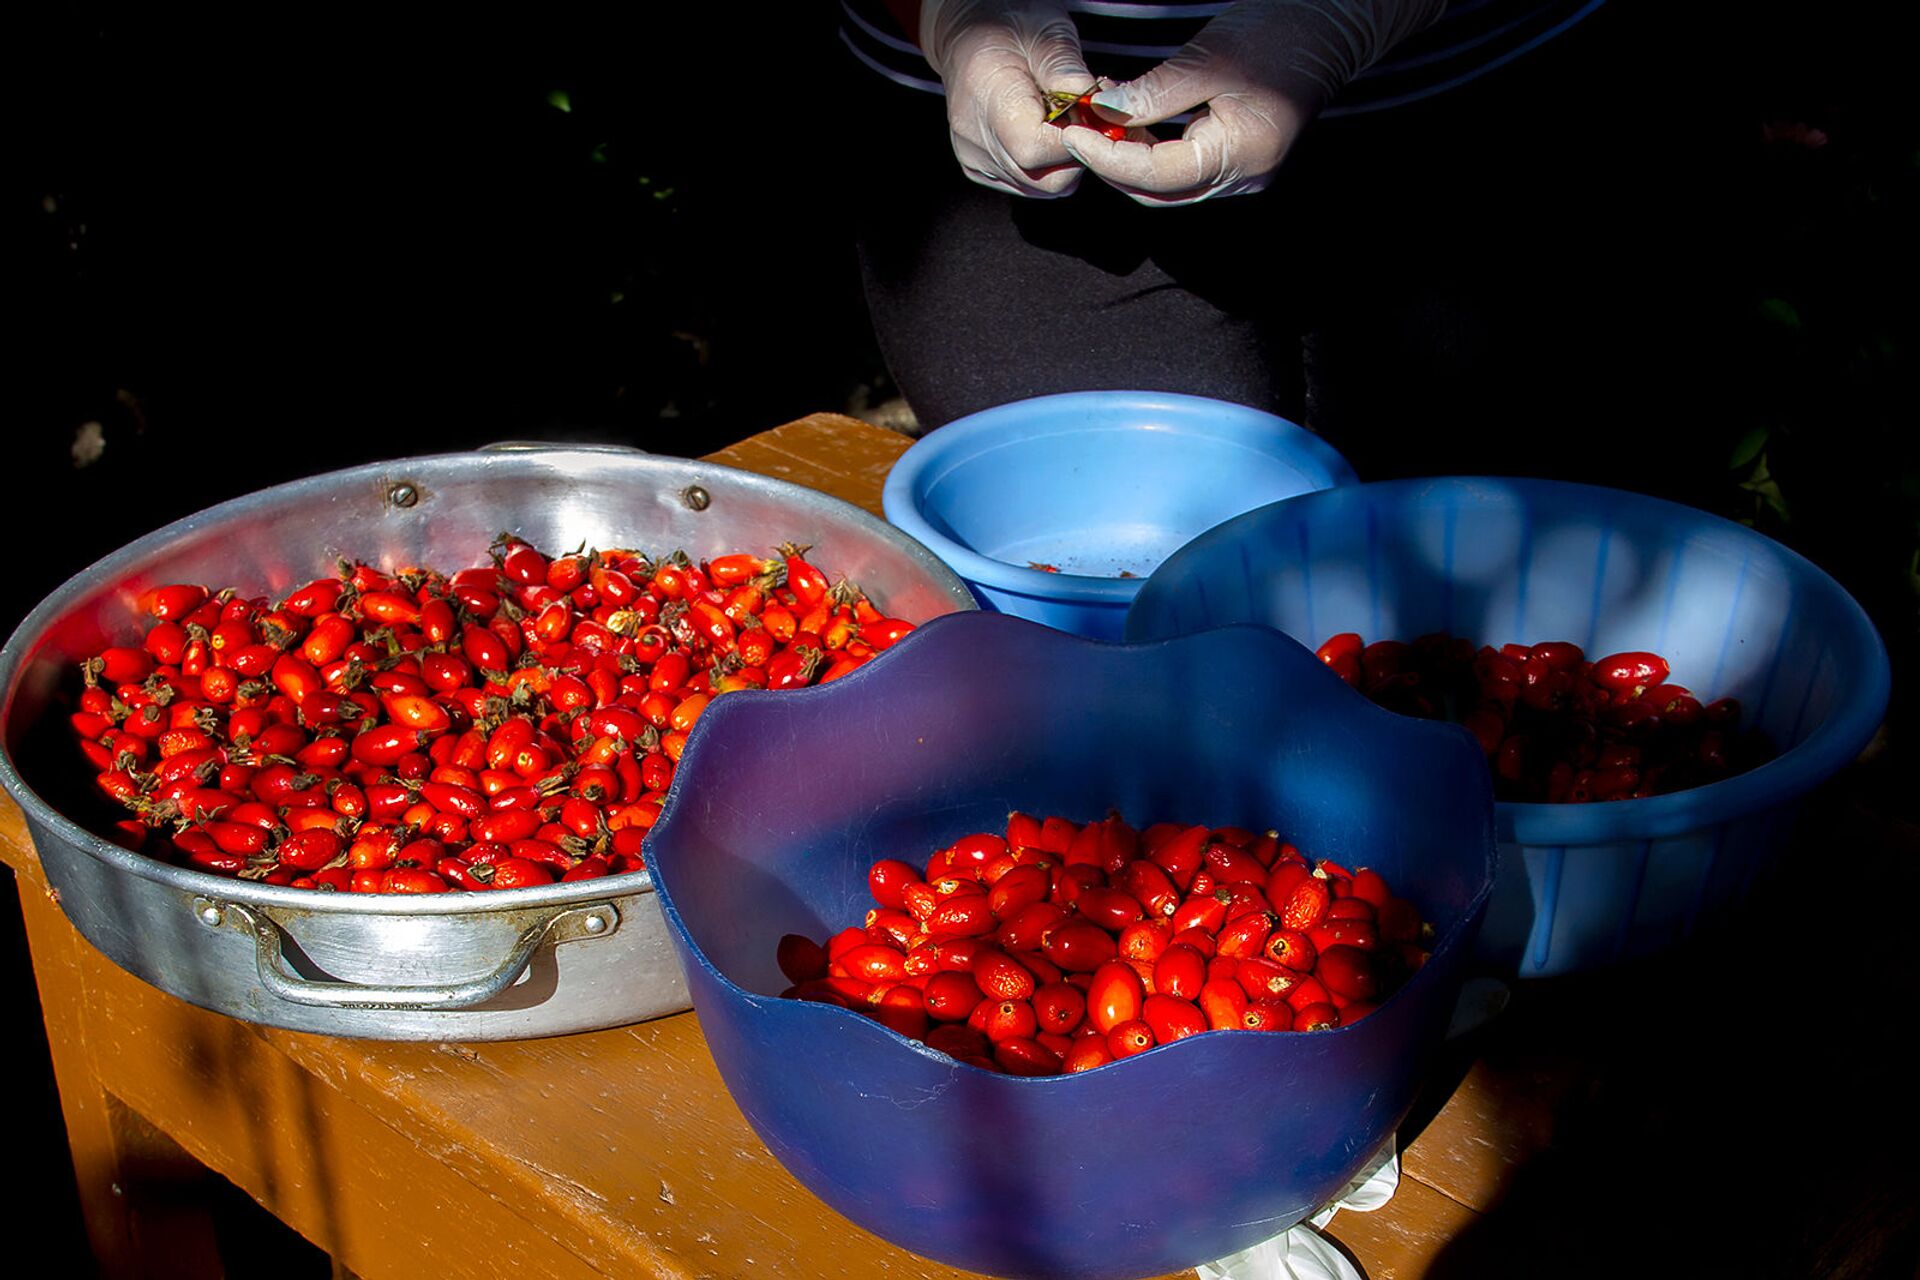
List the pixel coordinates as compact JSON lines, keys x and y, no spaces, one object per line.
{"x":998,"y":58}
{"x":1263,"y":69}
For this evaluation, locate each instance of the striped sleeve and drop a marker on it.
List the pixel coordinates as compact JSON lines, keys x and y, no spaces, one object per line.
{"x":1123,"y":39}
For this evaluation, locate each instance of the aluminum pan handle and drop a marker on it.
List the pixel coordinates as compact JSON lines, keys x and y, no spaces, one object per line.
{"x":269,"y":953}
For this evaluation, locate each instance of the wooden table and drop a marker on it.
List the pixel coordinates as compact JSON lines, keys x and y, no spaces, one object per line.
{"x":620,"y":1153}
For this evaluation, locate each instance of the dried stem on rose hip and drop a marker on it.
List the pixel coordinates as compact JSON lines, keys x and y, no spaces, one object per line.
{"x":1080,"y":105}
{"x":1062,"y":101}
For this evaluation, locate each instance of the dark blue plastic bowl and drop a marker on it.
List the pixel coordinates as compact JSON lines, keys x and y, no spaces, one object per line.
{"x":1510,"y":560}
{"x":1184,"y":1154}
{"x":1095,"y":483}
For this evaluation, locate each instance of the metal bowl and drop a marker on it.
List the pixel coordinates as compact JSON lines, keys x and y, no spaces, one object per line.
{"x":523,"y":963}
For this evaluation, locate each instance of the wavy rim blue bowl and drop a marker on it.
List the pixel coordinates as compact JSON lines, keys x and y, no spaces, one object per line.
{"x":849,"y":686}
{"x":926,"y":753}
{"x":1829,"y":748}
{"x":960,"y":441}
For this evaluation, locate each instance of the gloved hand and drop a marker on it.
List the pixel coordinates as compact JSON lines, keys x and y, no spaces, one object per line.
{"x":998,"y":58}
{"x":1263,"y":69}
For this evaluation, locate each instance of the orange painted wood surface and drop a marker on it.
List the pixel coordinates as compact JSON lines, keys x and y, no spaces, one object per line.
{"x":826,"y":451}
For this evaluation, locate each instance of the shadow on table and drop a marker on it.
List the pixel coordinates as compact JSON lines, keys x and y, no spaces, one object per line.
{"x":1742,"y":1107}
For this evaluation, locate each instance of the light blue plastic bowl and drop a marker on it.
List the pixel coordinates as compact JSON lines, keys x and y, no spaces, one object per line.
{"x":1097,"y":484}
{"x":1505,"y":560}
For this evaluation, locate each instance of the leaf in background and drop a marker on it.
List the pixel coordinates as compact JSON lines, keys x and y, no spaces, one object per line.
{"x":1781,"y":312}
{"x":560,"y":100}
{"x":1749,"y":448}
{"x":1771,"y":495}
{"x":1766,"y":490}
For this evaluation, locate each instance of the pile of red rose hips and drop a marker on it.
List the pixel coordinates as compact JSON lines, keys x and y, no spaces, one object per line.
{"x":503,"y":727}
{"x":1556,"y":727}
{"x":1059,"y":947}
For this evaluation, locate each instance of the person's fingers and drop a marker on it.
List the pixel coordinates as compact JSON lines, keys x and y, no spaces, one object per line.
{"x":1055,"y":60}
{"x":1262,"y":68}
{"x":1232,"y":149}
{"x":1163,"y":167}
{"x":1015,"y":115}
{"x":985,"y":169}
{"x":998,"y":124}
{"x":998,"y":60}
{"x":1181,"y":83}
{"x":1054,"y":63}
{"x":1016,"y":155}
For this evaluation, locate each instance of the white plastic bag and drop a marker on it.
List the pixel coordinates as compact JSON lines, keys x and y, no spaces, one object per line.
{"x":1302,"y":1253}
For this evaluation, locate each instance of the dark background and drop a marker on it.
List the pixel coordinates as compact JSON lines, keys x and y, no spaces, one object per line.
{"x":252,"y":248}
{"x":261,"y":247}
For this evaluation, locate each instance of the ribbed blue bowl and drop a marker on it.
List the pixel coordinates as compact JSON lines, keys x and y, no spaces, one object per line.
{"x":1183,"y":1154}
{"x":1508,"y":560}
{"x":1096,"y":484}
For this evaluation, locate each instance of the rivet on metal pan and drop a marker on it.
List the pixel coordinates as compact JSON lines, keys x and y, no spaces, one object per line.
{"x":695,"y":497}
{"x":209,"y":913}
{"x":403,"y":495}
